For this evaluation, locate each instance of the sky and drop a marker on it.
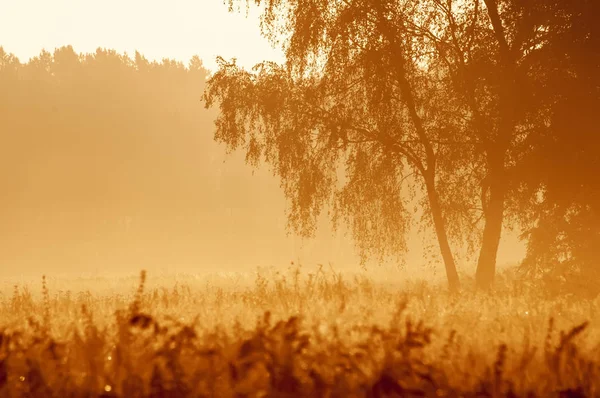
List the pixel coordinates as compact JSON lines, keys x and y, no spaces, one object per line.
{"x":175,"y":29}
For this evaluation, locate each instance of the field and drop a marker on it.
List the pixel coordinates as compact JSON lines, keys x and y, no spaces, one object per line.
{"x":292,"y":333}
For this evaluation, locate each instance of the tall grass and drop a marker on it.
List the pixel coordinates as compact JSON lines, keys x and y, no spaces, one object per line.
{"x":294,"y":334}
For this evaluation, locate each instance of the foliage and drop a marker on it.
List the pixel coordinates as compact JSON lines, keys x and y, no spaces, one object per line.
{"x":562,"y":215}
{"x":323,"y":336}
{"x":358,"y":110}
{"x":462,"y":96}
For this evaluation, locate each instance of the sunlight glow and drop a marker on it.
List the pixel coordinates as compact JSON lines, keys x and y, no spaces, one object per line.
{"x":177,"y":29}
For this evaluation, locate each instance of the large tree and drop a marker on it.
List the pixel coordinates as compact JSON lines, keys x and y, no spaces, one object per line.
{"x":438,"y":90}
{"x":559,"y":184}
{"x":482,"y":46}
{"x":355,"y":95}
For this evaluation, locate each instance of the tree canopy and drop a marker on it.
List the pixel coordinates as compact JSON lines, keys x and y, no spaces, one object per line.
{"x":559,"y":177}
{"x":378,"y":100}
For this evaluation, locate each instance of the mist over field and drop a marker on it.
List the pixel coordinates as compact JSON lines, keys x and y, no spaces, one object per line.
{"x":283,"y":198}
{"x":109,"y":166}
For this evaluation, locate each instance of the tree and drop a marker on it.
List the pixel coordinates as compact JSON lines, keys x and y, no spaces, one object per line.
{"x":443,"y":90}
{"x":496,"y":53}
{"x":480,"y":45}
{"x":358,"y":91}
{"x":560,"y":191}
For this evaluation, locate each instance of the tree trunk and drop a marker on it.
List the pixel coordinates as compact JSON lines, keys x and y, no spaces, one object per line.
{"x":428,"y":172}
{"x":492,"y":231}
{"x":494,"y":215}
{"x":496,"y":150}
{"x":494,"y":206}
{"x":442,"y":237}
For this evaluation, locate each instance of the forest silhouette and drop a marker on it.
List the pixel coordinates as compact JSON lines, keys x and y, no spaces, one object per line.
{"x":108,"y":164}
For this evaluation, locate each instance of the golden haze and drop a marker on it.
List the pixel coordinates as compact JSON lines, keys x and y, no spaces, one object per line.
{"x":109,"y":165}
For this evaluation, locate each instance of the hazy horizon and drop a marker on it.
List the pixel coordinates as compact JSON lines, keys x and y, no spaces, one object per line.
{"x":175,"y":32}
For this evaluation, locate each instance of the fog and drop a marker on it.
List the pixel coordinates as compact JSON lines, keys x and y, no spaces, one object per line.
{"x":108,"y":165}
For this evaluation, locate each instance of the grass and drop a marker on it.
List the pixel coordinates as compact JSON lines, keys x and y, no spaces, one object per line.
{"x":293,"y":334}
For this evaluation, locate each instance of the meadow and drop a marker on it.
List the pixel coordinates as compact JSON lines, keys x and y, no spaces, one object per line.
{"x":293,"y":332}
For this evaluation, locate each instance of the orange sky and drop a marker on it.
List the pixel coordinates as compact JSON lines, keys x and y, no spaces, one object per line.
{"x":176,"y":29}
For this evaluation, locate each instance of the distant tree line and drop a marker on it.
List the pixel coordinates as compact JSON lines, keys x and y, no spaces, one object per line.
{"x":104,"y":152}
